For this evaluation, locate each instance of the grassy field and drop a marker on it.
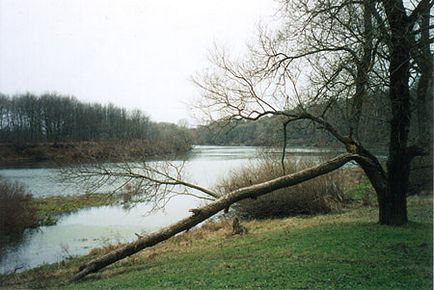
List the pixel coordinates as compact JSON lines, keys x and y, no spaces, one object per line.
{"x":346,"y":250}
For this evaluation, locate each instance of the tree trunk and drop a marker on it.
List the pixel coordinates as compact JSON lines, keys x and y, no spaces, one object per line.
{"x":398,"y":164}
{"x":378,"y":179}
{"x":392,"y":209}
{"x":201,"y":214}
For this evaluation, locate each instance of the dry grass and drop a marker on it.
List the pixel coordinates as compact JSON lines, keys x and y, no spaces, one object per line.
{"x":188,"y":256}
{"x":324,"y":194}
{"x":16,"y":210}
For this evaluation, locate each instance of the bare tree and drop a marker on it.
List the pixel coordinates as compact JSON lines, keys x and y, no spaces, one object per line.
{"x":333,"y":52}
{"x":339,"y":50}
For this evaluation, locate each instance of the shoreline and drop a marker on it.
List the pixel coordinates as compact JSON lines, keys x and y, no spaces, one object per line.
{"x":50,"y":208}
{"x":72,"y":152}
{"x":291,"y":252}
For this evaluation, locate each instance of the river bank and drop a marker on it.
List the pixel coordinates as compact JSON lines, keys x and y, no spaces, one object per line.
{"x":72,"y":152}
{"x":96,"y":224}
{"x":346,"y":250}
{"x":50,"y":208}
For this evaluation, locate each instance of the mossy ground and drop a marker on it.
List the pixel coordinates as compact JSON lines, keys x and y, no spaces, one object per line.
{"x":346,"y":250}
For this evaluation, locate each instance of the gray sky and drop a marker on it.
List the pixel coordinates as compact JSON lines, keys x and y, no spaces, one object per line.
{"x":135,"y":54}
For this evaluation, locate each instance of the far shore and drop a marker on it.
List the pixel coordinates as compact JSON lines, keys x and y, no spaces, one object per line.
{"x":20,"y":155}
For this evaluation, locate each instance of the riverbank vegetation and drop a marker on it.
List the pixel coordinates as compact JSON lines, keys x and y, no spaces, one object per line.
{"x":345,"y":250}
{"x":324,"y":194}
{"x":48,"y":209}
{"x":73,"y":152}
{"x":58,"y":127}
{"x":17,"y":211}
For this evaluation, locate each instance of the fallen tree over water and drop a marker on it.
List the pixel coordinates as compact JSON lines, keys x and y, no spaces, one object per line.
{"x":203,"y":213}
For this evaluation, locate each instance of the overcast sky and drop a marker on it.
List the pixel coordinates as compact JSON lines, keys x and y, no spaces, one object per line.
{"x":135,"y":54}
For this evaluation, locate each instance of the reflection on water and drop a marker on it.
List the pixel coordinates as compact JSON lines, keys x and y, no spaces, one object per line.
{"x":41,"y":181}
{"x":216,"y":152}
{"x":48,"y":181}
{"x":77,"y":233}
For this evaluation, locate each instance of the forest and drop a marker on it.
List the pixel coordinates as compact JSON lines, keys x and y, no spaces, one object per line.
{"x":28,"y":119}
{"x":63,"y":122}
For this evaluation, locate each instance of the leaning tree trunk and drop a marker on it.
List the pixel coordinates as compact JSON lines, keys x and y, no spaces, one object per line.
{"x":201,"y":214}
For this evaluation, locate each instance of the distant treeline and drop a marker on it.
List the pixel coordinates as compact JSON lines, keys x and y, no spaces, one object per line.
{"x":269,"y":130}
{"x":52,"y":118}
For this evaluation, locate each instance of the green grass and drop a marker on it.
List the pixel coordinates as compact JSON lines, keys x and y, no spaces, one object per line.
{"x":49,"y":208}
{"x":362,"y":192}
{"x":347,"y":250}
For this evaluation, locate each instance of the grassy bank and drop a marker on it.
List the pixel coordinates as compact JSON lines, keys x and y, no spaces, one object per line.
{"x":19,"y":210}
{"x":49,"y":208}
{"x":347,"y":250}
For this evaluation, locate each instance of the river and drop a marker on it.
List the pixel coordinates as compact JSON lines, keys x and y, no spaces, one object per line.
{"x":77,"y":233}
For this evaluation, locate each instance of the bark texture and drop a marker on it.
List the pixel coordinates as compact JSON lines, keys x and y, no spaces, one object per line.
{"x":393,"y":209}
{"x":205,"y":212}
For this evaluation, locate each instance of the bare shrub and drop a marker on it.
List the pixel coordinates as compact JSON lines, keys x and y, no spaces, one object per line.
{"x":320,"y":195}
{"x":16,"y":210}
{"x":105,"y":249}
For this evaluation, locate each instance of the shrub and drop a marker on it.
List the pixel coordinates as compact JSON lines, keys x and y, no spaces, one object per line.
{"x":320,"y":195}
{"x":363,"y":193}
{"x":16,"y":210}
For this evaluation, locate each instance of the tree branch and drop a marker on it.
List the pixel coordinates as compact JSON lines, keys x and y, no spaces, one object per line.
{"x":203,"y":213}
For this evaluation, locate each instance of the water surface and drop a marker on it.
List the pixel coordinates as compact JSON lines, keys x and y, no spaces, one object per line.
{"x":77,"y":233}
